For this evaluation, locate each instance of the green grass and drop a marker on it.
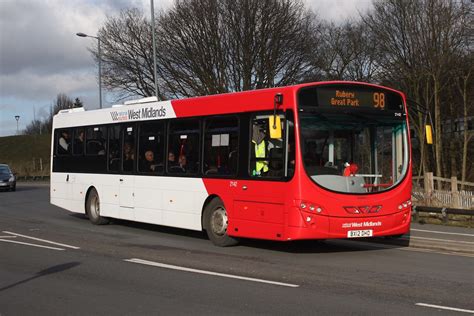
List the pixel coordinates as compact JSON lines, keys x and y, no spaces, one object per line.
{"x":23,"y":153}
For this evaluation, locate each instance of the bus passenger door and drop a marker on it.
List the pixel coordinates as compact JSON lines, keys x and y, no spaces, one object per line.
{"x":127,"y":179}
{"x":259,"y":202}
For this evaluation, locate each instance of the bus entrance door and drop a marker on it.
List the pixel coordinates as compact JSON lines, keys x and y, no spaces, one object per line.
{"x":127,"y":197}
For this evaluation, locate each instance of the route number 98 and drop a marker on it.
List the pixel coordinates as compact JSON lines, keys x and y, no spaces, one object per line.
{"x":379,"y":100}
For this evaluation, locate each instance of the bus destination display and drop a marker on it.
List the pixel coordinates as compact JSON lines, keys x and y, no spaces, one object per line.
{"x":351,"y":98}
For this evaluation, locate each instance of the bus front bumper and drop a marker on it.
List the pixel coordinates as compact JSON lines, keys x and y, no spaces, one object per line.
{"x":331,"y":227}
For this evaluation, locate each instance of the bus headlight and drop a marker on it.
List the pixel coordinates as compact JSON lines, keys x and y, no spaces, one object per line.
{"x":404,"y":205}
{"x":309,"y":207}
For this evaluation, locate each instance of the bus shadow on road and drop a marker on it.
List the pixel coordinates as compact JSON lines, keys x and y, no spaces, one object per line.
{"x":296,"y":246}
{"x":325,"y":246}
{"x":151,"y":227}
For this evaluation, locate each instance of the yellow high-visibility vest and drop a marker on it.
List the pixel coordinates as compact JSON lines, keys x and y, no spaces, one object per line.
{"x":260,"y":166}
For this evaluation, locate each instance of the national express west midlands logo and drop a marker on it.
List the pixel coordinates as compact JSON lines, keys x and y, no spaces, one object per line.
{"x":145,"y":113}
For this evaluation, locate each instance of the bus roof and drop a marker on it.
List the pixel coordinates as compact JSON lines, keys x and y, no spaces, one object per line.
{"x":226,"y":103}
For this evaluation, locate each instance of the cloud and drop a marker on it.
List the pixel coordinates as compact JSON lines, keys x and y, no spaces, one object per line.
{"x":39,"y":36}
{"x":339,"y":11}
{"x":29,"y":85}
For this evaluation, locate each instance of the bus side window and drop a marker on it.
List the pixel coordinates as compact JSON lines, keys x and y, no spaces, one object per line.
{"x":63,"y":143}
{"x":266,"y":155}
{"x":150,"y":147}
{"x":79,"y":141}
{"x":95,"y":141}
{"x":114,"y":148}
{"x":128,"y":148}
{"x":183,"y":144}
{"x":221,"y":146}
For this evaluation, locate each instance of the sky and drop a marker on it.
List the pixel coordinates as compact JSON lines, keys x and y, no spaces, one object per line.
{"x":40,"y":55}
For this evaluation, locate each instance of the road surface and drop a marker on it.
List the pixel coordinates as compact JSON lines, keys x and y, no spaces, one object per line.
{"x":57,"y":263}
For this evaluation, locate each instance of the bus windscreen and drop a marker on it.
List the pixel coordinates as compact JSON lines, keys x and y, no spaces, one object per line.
{"x":353,"y":137}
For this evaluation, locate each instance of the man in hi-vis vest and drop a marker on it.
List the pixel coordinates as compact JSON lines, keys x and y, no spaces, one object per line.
{"x":258,"y":141}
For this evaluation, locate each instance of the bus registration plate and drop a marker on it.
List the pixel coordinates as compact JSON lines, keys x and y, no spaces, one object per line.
{"x":359,"y":233}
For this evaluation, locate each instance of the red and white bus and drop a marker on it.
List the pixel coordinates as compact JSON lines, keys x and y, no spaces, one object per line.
{"x":310,"y":161}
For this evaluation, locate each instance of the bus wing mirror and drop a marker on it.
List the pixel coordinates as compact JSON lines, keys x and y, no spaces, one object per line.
{"x":429,"y":134}
{"x":274,"y":122}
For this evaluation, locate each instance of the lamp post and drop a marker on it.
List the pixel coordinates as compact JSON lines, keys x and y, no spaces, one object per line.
{"x":154,"y":45}
{"x":17,"y":118}
{"x":100,"y":64}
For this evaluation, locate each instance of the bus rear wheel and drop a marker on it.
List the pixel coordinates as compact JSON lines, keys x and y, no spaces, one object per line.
{"x":216,"y":222}
{"x":93,"y":209}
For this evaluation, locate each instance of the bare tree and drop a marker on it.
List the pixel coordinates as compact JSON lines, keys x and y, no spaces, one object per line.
{"x":418,"y":41}
{"x":346,"y":52}
{"x":127,"y":58}
{"x":209,"y":46}
{"x":212,"y":46}
{"x":61,"y":102}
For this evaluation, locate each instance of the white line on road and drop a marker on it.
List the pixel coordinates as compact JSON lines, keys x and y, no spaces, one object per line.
{"x":457,"y":254}
{"x":445,"y":233}
{"x":445,"y":240}
{"x":168,"y":266}
{"x":414,"y":249}
{"x":43,"y":240}
{"x":7,"y":236}
{"x":446,"y":307}
{"x":32,"y":245}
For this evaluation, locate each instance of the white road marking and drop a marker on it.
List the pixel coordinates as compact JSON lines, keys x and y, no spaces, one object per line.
{"x":438,"y":252}
{"x":446,"y":308}
{"x":414,"y":249}
{"x":43,"y":240}
{"x":168,"y":266}
{"x":445,"y":233}
{"x":7,"y":236}
{"x":32,"y":245}
{"x":445,"y":240}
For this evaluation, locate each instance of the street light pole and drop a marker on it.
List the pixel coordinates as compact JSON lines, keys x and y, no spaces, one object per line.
{"x":100,"y":63}
{"x":100,"y":72}
{"x":17,"y":118}
{"x":154,"y":45}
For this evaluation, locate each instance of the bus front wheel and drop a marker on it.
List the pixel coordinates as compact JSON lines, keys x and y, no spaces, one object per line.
{"x":93,"y":209}
{"x":216,"y":224}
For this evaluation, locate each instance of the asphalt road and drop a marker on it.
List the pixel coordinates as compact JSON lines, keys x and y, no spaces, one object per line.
{"x":74,"y":267}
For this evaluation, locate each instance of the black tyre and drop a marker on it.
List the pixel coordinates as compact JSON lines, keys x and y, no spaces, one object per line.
{"x":93,"y":209}
{"x":215,"y":223}
{"x":13,"y":188}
